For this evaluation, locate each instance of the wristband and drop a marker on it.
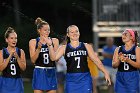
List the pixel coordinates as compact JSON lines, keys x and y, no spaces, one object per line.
{"x":50,"y":45}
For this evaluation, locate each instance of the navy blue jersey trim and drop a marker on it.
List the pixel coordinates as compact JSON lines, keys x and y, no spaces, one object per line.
{"x":5,"y":51}
{"x":76,"y":47}
{"x":38,"y":39}
{"x":123,"y":48}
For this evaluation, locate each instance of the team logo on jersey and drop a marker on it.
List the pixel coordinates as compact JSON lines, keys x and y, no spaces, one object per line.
{"x":44,"y":50}
{"x":76,"y":53}
{"x":130,"y":56}
{"x":12,"y":60}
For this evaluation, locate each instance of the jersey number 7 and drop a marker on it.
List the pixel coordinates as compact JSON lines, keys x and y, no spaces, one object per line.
{"x":78,"y":59}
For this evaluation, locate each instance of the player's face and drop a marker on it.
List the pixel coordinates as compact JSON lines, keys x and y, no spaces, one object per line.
{"x":44,"y":30}
{"x":126,"y":36}
{"x":109,"y":41}
{"x":12,"y":39}
{"x":73,"y":33}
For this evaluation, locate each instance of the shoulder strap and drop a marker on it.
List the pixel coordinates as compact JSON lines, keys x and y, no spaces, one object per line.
{"x":134,"y":49}
{"x":4,"y":52}
{"x":83,"y":45}
{"x":120,"y":48}
{"x":37,"y":40}
{"x":18,"y":51}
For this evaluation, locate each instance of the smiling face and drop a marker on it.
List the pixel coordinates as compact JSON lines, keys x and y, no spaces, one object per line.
{"x":126,"y":36}
{"x":73,"y":33}
{"x":12,"y":39}
{"x":44,"y":30}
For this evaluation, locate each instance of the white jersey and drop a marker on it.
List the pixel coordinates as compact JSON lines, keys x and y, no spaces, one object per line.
{"x":61,"y":65}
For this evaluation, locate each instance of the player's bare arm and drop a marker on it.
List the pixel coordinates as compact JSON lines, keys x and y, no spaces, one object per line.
{"x":53,"y":48}
{"x":56,"y":43}
{"x":4,"y":62}
{"x":34,"y":53}
{"x":116,"y":59}
{"x":22,"y":60}
{"x":97,"y":61}
{"x":60,"y":52}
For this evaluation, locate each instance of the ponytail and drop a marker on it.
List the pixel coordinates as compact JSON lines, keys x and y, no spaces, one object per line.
{"x":39,"y":22}
{"x":136,"y":37}
{"x":8,"y":31}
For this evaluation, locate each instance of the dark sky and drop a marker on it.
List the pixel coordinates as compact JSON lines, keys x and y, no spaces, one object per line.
{"x":58,"y":13}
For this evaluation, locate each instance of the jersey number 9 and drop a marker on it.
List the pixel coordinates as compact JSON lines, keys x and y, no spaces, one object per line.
{"x":13,"y":68}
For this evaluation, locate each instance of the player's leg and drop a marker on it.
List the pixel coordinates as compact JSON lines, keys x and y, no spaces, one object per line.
{"x":60,"y":80}
{"x":38,"y":91}
{"x":51,"y":91}
{"x":94,"y":81}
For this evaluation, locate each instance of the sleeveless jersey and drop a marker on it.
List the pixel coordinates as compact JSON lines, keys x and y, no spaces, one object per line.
{"x":12,"y":70}
{"x":76,"y":58}
{"x":44,"y":58}
{"x":124,"y":66}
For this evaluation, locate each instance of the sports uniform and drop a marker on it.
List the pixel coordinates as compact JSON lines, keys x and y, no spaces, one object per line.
{"x":78,"y":78}
{"x":11,"y":81}
{"x":44,"y":75}
{"x":127,"y":77}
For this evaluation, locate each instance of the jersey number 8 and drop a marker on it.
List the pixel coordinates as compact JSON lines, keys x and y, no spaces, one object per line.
{"x":46,"y":58}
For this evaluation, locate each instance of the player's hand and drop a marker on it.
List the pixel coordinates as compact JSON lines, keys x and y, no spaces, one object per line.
{"x":121,"y":57}
{"x":107,"y":78}
{"x":39,"y":45}
{"x":12,"y":52}
{"x":125,"y":59}
{"x":15,"y":55}
{"x":48,"y":41}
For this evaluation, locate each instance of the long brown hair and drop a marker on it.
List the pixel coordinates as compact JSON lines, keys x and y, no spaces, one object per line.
{"x":136,"y":37}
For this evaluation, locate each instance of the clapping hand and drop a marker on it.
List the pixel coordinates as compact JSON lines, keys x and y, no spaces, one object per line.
{"x":122,"y":57}
{"x":47,"y":40}
{"x":14,"y":53}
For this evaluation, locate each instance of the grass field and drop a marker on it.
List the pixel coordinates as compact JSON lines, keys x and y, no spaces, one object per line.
{"x":28,"y":88}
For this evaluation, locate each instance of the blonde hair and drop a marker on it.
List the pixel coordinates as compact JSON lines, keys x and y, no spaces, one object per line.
{"x":8,"y":31}
{"x":72,"y":26}
{"x":39,"y":22}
